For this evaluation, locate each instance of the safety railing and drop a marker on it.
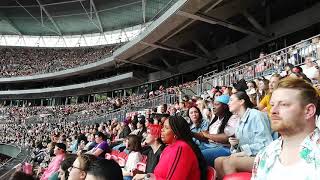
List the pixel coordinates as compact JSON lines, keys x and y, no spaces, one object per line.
{"x":264,"y":66}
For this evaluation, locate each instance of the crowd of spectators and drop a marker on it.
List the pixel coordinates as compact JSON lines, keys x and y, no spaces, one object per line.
{"x":31,"y":61}
{"x":266,"y":127}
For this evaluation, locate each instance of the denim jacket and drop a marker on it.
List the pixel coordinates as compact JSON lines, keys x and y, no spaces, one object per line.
{"x":254,"y":132}
{"x":203,"y":126}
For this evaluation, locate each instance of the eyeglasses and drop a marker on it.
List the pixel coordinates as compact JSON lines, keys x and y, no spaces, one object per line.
{"x":70,"y":168}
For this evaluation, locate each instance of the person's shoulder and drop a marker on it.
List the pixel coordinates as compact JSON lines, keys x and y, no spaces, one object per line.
{"x":271,"y":148}
{"x":184,"y":146}
{"x":257,"y":112}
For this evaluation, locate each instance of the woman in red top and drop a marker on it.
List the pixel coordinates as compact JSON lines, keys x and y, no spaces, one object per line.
{"x":182,"y":158}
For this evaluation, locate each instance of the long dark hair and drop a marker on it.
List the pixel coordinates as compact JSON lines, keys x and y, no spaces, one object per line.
{"x":247,"y":102}
{"x":181,"y":129}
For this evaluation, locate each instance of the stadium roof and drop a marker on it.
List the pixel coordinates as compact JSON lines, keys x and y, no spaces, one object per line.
{"x":75,"y":17}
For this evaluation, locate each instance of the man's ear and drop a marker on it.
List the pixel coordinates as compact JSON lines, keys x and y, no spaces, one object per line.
{"x":83,"y":175}
{"x":310,"y":111}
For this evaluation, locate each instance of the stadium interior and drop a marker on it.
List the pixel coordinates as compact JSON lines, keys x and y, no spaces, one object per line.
{"x":82,"y":78}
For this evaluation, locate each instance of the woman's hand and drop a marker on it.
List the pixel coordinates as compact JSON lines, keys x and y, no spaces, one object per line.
{"x":139,"y":176}
{"x":233,"y":141}
{"x":205,"y":134}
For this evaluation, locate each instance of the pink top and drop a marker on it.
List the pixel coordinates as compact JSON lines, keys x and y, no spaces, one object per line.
{"x":177,"y":162}
{"x":53,"y":167}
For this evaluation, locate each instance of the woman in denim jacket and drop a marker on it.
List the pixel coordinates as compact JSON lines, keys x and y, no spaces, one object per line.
{"x":253,"y":134}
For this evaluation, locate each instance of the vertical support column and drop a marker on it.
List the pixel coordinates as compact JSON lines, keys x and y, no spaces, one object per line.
{"x":41,"y":102}
{"x":66,"y":101}
{"x":77,"y":99}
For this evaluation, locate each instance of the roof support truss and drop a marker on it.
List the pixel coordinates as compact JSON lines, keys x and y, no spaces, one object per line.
{"x":167,"y":48}
{"x":9,"y":22}
{"x":144,"y":3}
{"x":90,"y":17}
{"x":254,"y":22}
{"x":40,"y":22}
{"x":49,"y":16}
{"x":142,"y":64}
{"x":94,"y":8}
{"x":211,"y":20}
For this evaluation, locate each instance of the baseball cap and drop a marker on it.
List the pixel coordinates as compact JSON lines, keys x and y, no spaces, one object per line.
{"x":222,"y":99}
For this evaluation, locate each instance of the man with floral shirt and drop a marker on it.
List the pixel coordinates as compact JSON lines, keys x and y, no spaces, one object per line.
{"x":296,"y":154}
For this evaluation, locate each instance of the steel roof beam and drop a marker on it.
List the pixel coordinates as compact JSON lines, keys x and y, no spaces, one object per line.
{"x":50,"y":17}
{"x":93,"y":5}
{"x":254,"y":22}
{"x":9,"y":22}
{"x":166,"y":62}
{"x":142,"y":64}
{"x":185,"y":25}
{"x":202,"y":48}
{"x":211,"y":20}
{"x":90,"y":17}
{"x":63,"y":2}
{"x":178,"y":50}
{"x":36,"y":18}
{"x":143,"y":4}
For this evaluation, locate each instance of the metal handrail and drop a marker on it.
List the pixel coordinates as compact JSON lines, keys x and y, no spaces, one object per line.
{"x":249,"y":71}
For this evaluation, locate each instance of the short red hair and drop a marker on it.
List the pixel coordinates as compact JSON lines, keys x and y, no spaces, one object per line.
{"x":155,"y":130}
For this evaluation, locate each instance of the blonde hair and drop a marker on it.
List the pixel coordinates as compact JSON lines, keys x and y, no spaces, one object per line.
{"x":308,"y":94}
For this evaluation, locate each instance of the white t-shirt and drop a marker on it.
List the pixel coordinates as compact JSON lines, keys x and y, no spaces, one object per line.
{"x":311,"y":72}
{"x":297,"y":171}
{"x":133,"y":159}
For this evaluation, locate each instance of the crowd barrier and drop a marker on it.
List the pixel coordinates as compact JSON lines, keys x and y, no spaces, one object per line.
{"x":264,"y":66}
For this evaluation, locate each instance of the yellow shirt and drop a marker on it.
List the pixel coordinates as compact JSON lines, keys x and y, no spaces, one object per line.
{"x":265,"y":103}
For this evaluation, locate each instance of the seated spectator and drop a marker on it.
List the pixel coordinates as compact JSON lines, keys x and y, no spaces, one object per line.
{"x":218,"y":132}
{"x":63,"y":173}
{"x":104,"y":169}
{"x":102,"y":146}
{"x":295,"y":155}
{"x":91,"y":144}
{"x":208,"y":114}
{"x":197,"y":124}
{"x":182,"y":158}
{"x":263,"y":88}
{"x":252,"y":134}
{"x":133,"y":145}
{"x":265,"y":102}
{"x":252,"y":92}
{"x":154,"y":141}
{"x":19,"y":175}
{"x":79,"y":168}
{"x":60,"y":152}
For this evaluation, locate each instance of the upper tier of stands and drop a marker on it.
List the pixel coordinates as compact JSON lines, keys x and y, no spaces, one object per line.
{"x":32,"y":61}
{"x":265,"y":65}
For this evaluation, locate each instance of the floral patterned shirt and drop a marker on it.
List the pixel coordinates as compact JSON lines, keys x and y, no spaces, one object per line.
{"x":309,"y":153}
